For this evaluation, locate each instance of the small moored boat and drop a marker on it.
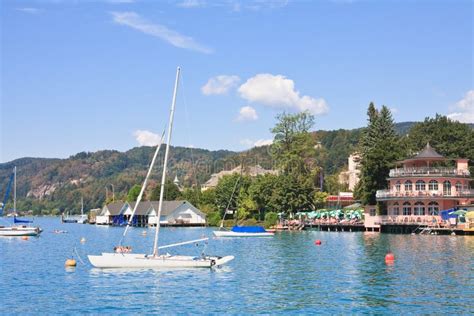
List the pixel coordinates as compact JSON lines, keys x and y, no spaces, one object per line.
{"x":244,"y":231}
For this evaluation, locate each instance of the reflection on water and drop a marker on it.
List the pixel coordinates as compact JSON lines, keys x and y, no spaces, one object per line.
{"x":287,"y":273}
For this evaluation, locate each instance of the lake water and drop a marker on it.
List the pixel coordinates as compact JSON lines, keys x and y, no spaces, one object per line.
{"x":283,"y":274}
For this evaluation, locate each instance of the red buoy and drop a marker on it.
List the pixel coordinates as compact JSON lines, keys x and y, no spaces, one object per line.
{"x":389,"y":258}
{"x":317,"y":242}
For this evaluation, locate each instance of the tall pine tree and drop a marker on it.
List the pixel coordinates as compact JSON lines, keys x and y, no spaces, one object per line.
{"x":380,"y":148}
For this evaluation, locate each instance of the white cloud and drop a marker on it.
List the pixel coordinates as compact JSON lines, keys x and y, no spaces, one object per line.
{"x":247,"y":113}
{"x":119,"y":1}
{"x":220,"y":84}
{"x":235,"y":5}
{"x":191,"y":4}
{"x":255,"y":143}
{"x":279,"y":91}
{"x":464,"y":109}
{"x":146,"y":138}
{"x":29,"y":10}
{"x":246,"y":142}
{"x":263,"y":142}
{"x":136,"y":22}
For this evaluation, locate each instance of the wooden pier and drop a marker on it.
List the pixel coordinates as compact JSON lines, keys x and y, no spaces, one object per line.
{"x":336,"y":227}
{"x":423,"y":229}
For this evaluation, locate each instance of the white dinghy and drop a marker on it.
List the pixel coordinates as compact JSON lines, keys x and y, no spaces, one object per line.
{"x":123,"y":258}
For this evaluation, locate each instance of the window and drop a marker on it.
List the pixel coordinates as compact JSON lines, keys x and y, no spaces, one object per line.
{"x":433,"y":208}
{"x":372,"y":212}
{"x":458,"y":187}
{"x":419,"y":208}
{"x":420,"y":185}
{"x":433,"y":185}
{"x":395,"y":209}
{"x":447,"y":187}
{"x":397,"y":186}
{"x":406,"y":208}
{"x":408,"y":185}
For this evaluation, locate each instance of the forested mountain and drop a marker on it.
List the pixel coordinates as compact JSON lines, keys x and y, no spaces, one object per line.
{"x":45,"y":184}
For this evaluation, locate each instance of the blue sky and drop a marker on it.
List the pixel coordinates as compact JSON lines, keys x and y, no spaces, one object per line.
{"x":90,"y":75}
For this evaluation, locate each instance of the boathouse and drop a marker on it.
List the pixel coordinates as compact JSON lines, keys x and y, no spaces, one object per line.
{"x":177,"y":213}
{"x":174,"y":213}
{"x":111,"y":213}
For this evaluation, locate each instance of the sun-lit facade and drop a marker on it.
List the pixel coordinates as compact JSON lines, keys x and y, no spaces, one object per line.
{"x":427,"y":184}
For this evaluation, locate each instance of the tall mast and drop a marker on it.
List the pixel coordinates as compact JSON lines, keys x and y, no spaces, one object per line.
{"x":14,"y":190}
{"x":82,"y":205}
{"x":163,"y":177}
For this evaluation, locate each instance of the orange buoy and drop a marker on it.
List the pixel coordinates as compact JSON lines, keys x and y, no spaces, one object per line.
{"x":70,"y":263}
{"x":317,"y":242}
{"x":24,"y":237}
{"x":389,"y":258}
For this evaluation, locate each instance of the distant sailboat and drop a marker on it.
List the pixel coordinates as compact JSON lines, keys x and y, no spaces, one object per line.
{"x":80,"y":219}
{"x":123,"y":258}
{"x":18,"y":230}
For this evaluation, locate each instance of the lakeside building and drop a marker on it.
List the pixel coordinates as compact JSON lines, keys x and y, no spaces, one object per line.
{"x":421,"y":187}
{"x":352,"y":176}
{"x":173,"y":213}
{"x":341,"y":200}
{"x":252,"y":171}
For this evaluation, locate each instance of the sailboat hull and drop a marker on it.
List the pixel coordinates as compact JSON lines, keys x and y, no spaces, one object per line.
{"x":119,"y":260}
{"x":18,"y":231}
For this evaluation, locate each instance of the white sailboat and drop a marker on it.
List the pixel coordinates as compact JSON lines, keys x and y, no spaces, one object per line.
{"x":18,"y":230}
{"x":80,"y":219}
{"x":122,"y":259}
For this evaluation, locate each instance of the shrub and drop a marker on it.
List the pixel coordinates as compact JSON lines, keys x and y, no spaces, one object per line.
{"x":271,"y":218}
{"x":213,"y":219}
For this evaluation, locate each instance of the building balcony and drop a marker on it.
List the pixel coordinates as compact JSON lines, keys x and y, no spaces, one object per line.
{"x":429,"y":172}
{"x":384,"y":195}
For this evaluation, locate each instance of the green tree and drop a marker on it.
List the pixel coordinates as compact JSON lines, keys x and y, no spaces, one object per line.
{"x":229,"y":189}
{"x":450,"y":138}
{"x":380,"y":148}
{"x":271,"y":218}
{"x":171,"y":192}
{"x":293,"y":146}
{"x":133,"y":193}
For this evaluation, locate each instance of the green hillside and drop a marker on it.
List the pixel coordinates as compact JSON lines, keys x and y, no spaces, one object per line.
{"x":46,"y":184}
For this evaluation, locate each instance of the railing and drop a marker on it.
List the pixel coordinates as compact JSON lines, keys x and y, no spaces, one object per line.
{"x":382,"y":194}
{"x":431,"y":220}
{"x":429,"y":171}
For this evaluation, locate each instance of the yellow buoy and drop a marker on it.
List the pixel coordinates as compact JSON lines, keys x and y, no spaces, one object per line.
{"x":24,"y":237}
{"x":70,"y":263}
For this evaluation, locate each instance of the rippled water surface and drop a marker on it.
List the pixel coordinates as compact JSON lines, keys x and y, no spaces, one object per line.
{"x":283,"y":274}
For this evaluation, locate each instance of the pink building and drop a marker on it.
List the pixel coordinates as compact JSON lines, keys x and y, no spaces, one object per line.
{"x":426,"y":184}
